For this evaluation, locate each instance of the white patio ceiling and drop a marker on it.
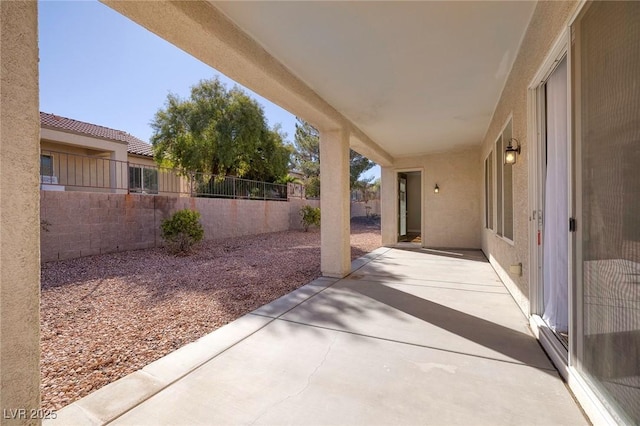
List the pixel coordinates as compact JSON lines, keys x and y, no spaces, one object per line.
{"x":415,"y":77}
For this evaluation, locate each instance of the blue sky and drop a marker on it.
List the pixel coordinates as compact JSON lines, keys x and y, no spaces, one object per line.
{"x":100,"y":67}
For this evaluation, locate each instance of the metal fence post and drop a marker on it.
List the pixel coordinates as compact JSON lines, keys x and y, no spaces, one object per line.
{"x":233,"y":183}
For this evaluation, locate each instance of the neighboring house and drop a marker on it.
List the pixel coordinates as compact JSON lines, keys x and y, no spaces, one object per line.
{"x":80,"y":156}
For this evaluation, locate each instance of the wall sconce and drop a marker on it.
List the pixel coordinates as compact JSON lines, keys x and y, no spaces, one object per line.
{"x":436,"y":189}
{"x":511,"y":152}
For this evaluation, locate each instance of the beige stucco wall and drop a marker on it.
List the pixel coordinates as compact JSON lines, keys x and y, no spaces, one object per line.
{"x":83,"y":223}
{"x":169,"y":181}
{"x":85,"y":141}
{"x":547,"y":23}
{"x":47,"y":145}
{"x":450,"y":218}
{"x":139,"y":159}
{"x":19,"y":210}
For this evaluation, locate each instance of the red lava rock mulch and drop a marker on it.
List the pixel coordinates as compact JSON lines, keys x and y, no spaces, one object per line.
{"x":106,"y":316}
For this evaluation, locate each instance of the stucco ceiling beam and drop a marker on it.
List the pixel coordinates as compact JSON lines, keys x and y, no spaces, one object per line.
{"x":362,"y":144}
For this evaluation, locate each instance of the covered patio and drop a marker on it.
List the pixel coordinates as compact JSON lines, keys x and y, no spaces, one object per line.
{"x":454,"y":97}
{"x":411,"y":336}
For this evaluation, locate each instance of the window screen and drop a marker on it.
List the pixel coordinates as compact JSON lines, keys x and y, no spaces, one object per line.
{"x":609,"y":122}
{"x":46,"y":165}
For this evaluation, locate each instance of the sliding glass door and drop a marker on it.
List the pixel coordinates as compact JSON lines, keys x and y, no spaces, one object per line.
{"x":606,"y":54}
{"x":555,"y":230}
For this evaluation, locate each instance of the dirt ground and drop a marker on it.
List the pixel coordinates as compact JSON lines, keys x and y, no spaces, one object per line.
{"x":106,"y":316}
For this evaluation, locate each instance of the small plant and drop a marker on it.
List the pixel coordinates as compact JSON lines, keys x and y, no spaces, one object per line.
{"x":182,"y":230}
{"x":367,"y":210}
{"x":310,"y":216}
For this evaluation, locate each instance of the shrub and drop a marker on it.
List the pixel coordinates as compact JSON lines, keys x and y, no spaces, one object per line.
{"x":310,"y":216}
{"x":182,"y":230}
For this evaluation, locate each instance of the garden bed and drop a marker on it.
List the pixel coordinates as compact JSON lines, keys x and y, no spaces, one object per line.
{"x":105,"y":316}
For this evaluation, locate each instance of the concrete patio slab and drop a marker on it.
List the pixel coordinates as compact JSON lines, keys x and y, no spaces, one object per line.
{"x":184,"y":360}
{"x":411,"y":337}
{"x":293,"y":299}
{"x":363,"y":260}
{"x":316,"y":376}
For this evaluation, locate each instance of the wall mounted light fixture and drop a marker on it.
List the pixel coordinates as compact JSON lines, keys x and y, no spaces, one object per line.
{"x":511,"y":152}
{"x":436,"y":189}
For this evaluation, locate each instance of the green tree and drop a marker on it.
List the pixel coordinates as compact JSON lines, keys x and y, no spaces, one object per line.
{"x":358,"y":164}
{"x":219,"y":132}
{"x":306,"y":158}
{"x":367,"y":187}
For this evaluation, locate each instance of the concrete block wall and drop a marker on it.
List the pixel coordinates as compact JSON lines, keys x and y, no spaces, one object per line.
{"x":295,"y":220}
{"x":359,"y":208}
{"x":83,"y":224}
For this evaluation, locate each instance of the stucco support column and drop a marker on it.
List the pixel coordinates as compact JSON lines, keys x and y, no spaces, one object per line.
{"x":335,"y":203}
{"x":19,"y":213}
{"x":388,"y":206}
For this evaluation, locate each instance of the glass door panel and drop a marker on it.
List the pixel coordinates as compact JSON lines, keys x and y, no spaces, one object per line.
{"x":608,"y":132}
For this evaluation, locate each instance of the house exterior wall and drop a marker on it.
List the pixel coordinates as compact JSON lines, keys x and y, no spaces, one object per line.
{"x":548,"y":22}
{"x":90,"y":142}
{"x":169,"y":181}
{"x":79,"y":168}
{"x":116,"y":150}
{"x":85,"y":223}
{"x":76,"y":172}
{"x":19,"y":211}
{"x":47,"y":145}
{"x":451,"y":218}
{"x":140,"y":159}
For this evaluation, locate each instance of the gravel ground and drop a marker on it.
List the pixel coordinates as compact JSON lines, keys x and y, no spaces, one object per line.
{"x":105,"y":316}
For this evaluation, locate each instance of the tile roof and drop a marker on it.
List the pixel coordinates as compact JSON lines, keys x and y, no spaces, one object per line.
{"x":134,"y":145}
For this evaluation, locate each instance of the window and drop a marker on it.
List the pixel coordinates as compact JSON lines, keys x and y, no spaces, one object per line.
{"x":504,"y":186}
{"x":488,"y":191}
{"x":46,"y":165}
{"x":143,"y":180}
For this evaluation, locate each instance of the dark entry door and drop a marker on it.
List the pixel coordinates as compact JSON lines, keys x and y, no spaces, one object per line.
{"x":402,"y":207}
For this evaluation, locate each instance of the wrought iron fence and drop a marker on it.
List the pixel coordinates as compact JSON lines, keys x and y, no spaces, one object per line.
{"x":66,"y":171}
{"x":365,"y":195}
{"x":213,"y":186}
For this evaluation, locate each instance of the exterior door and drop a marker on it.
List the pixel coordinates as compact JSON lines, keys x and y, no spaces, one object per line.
{"x":402,"y":206}
{"x":555,"y":216}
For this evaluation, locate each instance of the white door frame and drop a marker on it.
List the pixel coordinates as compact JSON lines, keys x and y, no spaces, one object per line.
{"x":536,"y":117}
{"x":422,"y":199}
